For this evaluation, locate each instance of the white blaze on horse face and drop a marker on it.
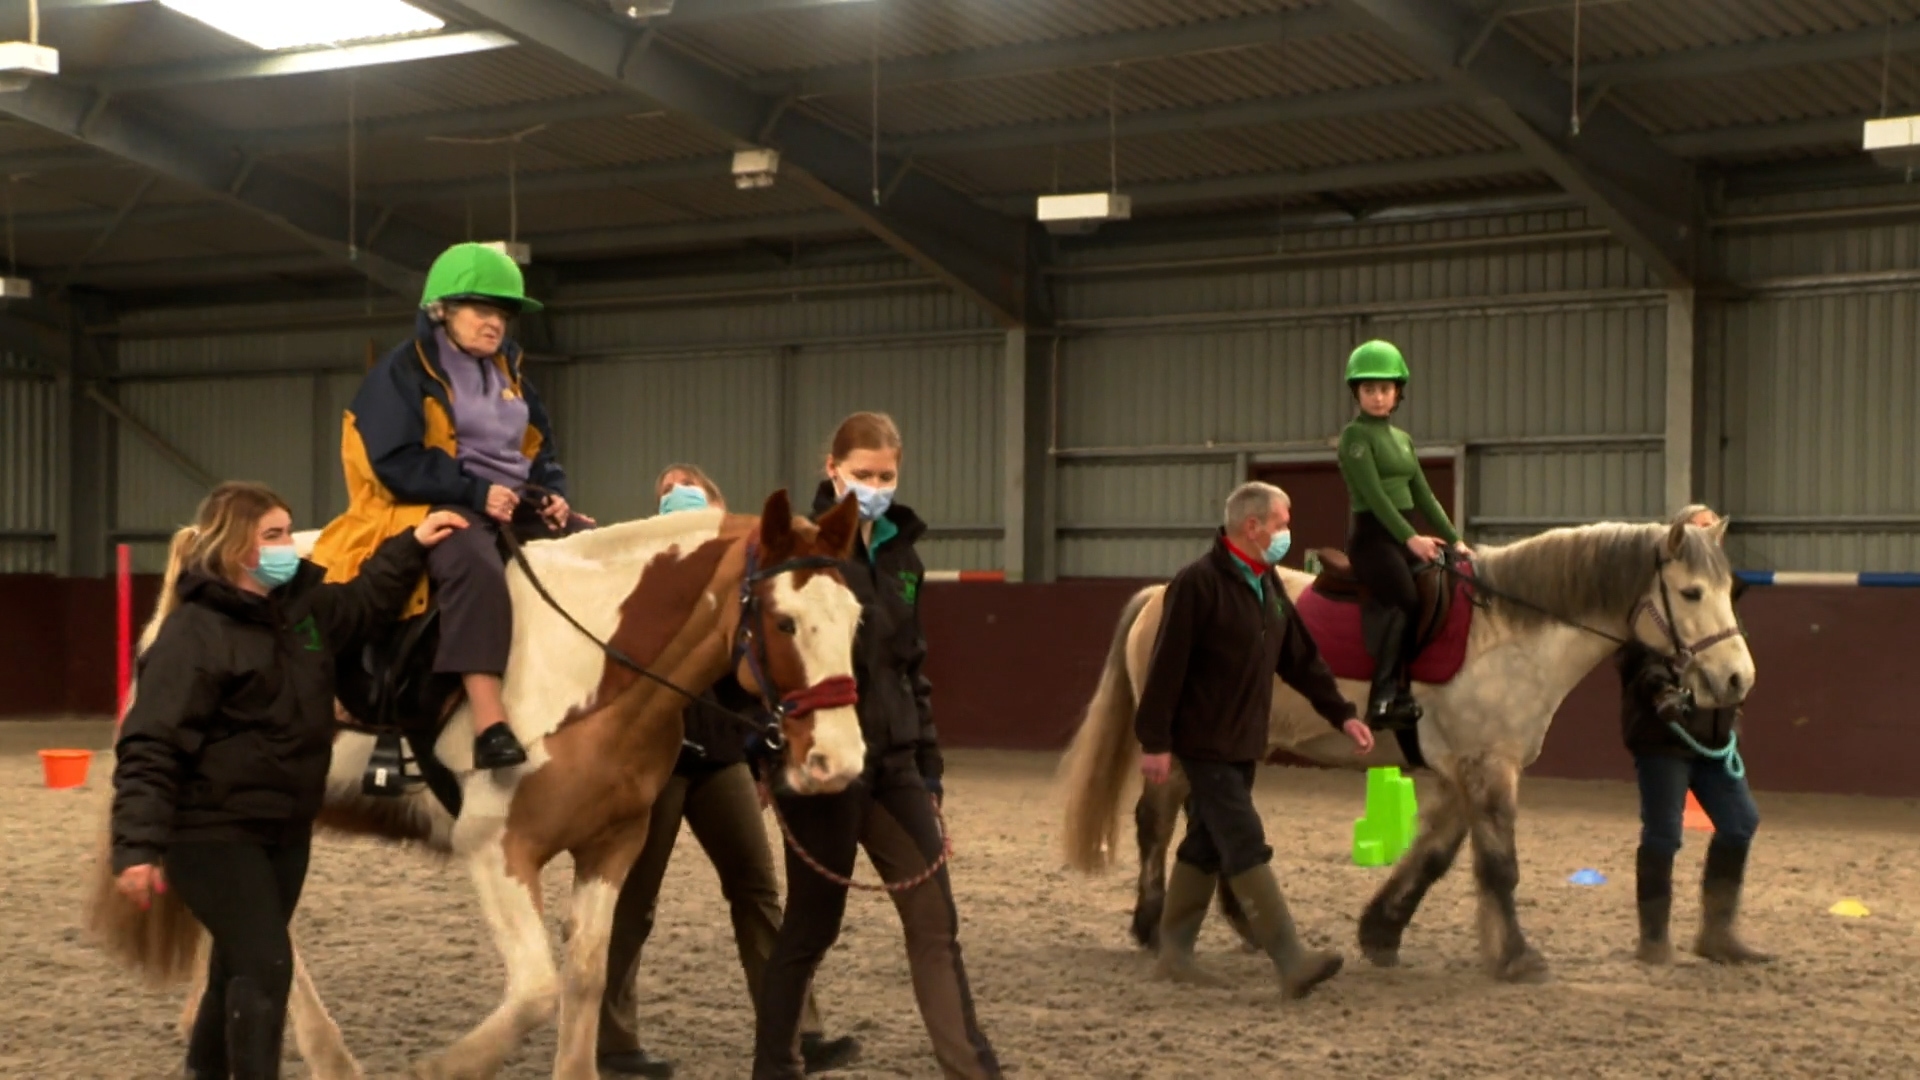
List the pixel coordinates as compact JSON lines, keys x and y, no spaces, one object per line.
{"x":1723,"y":673}
{"x":826,"y":617}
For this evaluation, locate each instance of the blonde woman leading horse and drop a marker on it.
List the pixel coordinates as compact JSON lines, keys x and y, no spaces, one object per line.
{"x":1503,"y":645}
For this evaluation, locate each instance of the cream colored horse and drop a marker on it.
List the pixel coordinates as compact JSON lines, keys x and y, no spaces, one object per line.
{"x":673,"y":593}
{"x":1599,"y":585}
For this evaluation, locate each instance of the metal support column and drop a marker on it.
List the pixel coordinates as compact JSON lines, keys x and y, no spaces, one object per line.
{"x":1678,"y":448}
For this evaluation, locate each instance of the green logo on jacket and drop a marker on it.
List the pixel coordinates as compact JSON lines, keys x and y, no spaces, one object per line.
{"x":909,"y":586}
{"x":308,"y":632}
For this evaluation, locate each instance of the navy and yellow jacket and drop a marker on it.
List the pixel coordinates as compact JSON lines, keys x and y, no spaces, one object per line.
{"x":398,"y":447}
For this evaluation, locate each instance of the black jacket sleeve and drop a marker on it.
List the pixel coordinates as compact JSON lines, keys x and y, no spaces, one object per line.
{"x":349,"y":610}
{"x":926,"y":749}
{"x":1301,"y":667}
{"x":546,"y":470}
{"x":178,"y":691}
{"x":390,"y":414}
{"x":1181,"y":608}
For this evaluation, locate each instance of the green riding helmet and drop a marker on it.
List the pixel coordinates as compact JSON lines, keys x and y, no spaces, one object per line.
{"x":473,"y":271}
{"x":1377,"y":359}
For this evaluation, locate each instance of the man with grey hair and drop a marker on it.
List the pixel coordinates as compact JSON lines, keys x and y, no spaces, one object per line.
{"x":1226,"y":631}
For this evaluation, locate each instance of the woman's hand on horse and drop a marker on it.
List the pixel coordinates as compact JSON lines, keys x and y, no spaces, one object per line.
{"x":1156,"y":767}
{"x":439,"y":525}
{"x":1361,"y":734}
{"x":1424,"y":548}
{"x":500,"y":503}
{"x":141,"y":883}
{"x":556,"y":511}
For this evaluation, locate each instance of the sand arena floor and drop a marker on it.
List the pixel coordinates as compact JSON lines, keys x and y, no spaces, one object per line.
{"x":397,"y":947}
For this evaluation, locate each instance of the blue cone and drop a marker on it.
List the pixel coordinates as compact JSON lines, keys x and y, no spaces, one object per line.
{"x":1588,"y":877}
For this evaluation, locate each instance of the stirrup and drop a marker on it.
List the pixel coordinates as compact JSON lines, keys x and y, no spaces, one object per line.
{"x":386,"y":774}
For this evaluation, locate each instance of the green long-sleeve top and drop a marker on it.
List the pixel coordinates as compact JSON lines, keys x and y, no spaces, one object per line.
{"x":1384,"y":478}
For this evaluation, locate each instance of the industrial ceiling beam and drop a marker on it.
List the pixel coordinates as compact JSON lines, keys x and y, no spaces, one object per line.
{"x":599,"y":178}
{"x":976,"y":251}
{"x":301,"y":62}
{"x":488,"y":120}
{"x":1764,"y":138}
{"x":1257,"y":112}
{"x":1646,"y":195}
{"x":306,"y":210}
{"x":694,"y":12}
{"x":1747,"y":57}
{"x":1068,"y":54}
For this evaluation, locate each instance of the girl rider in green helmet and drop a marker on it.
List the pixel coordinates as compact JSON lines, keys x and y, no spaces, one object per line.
{"x":1384,"y":485}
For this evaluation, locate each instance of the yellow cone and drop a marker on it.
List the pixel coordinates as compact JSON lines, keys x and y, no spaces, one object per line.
{"x":1849,"y":908}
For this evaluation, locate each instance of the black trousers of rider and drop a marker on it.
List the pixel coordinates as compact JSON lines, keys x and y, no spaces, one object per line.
{"x":889,"y":812}
{"x":1384,"y":565}
{"x":244,"y":894}
{"x":470,"y":585}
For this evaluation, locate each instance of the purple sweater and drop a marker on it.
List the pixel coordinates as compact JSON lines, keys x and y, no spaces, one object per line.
{"x":489,"y":417}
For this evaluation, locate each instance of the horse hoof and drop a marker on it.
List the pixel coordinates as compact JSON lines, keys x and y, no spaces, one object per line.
{"x":1319,"y":967}
{"x":1528,"y":967}
{"x":1381,"y":955}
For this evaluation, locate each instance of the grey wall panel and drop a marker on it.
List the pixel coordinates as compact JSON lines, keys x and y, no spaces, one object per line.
{"x":1112,"y":494}
{"x":1822,"y":400}
{"x":1127,"y":557}
{"x":29,"y":471}
{"x":1539,"y":487}
{"x":628,"y":420}
{"x":946,"y":401}
{"x":265,"y":348}
{"x":960,"y":554}
{"x":248,"y":429}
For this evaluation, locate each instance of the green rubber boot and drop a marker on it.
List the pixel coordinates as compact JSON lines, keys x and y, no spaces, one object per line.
{"x":1189,"y":891}
{"x":1301,"y":969}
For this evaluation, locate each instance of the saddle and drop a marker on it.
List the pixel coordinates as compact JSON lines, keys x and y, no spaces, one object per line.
{"x":1337,"y":583}
{"x":389,"y":688}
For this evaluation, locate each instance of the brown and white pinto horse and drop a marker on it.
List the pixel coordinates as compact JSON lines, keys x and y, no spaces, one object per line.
{"x":686,"y":596}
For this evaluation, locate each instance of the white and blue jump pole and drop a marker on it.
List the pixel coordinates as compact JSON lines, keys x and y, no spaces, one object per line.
{"x":1865,"y":579}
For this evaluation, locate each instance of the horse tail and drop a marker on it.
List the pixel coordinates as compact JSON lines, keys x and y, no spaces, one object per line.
{"x":161,"y":943}
{"x":1101,"y":757}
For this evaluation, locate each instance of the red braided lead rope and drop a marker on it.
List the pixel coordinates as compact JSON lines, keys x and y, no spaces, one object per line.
{"x":914,"y":882}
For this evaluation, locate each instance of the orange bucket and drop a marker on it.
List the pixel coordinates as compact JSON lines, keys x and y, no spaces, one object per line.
{"x":65,"y":768}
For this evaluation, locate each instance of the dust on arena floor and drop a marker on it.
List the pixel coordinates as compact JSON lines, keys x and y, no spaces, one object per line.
{"x":398,"y":949}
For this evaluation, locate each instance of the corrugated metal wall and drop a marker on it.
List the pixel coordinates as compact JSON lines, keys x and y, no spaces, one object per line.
{"x":1537,"y":344}
{"x":1816,"y":381}
{"x":1179,"y":377}
{"x":29,"y":470}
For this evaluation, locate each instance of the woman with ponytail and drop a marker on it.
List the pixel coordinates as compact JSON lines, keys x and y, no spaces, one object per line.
{"x":222,"y":758}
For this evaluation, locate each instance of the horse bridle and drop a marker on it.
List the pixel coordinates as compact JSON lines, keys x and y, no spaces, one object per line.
{"x":1684,"y":655}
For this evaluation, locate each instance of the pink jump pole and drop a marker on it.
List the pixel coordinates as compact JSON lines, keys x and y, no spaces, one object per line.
{"x":123,"y":644}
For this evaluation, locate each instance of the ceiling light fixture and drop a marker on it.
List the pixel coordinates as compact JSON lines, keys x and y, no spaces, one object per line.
{"x":282,"y":24}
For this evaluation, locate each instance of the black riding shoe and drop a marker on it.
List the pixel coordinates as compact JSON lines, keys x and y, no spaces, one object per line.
{"x":496,"y":748}
{"x":1390,"y":705}
{"x":822,"y":1054}
{"x":635,"y":1062}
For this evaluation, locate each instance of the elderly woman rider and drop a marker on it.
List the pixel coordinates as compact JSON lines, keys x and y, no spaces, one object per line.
{"x":448,"y":420}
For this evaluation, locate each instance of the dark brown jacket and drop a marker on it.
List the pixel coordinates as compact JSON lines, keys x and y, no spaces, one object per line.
{"x":231,"y":729}
{"x":1209,"y":688}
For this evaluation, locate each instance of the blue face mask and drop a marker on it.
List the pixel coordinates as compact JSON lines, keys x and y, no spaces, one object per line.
{"x":1278,"y":546}
{"x":683,"y":497}
{"x":873,"y":501}
{"x":277,"y":566}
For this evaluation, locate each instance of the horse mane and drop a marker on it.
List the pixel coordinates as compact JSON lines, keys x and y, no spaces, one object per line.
{"x":626,"y":539}
{"x":1588,"y":572}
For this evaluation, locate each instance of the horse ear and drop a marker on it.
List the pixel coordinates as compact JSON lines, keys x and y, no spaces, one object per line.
{"x":1676,"y":539}
{"x":838,"y":527}
{"x":1717,"y":532}
{"x":776,"y":527}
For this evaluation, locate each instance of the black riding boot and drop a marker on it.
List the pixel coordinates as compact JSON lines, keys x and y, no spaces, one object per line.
{"x":1389,"y":704}
{"x":1653,"y":887}
{"x":254,"y":1029}
{"x":1720,"y":905}
{"x":496,"y":748}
